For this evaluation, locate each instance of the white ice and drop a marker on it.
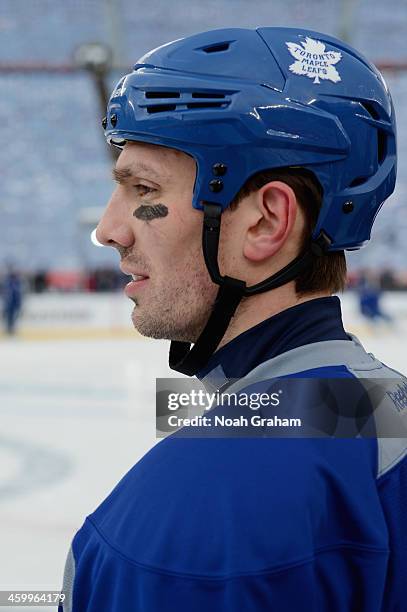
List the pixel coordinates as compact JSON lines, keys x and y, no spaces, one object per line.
{"x":75,"y":416}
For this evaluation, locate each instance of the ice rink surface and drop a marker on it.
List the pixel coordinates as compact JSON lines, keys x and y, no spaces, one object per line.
{"x":75,"y":416}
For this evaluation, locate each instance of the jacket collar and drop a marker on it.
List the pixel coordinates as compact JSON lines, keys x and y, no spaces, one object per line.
{"x":317,"y":320}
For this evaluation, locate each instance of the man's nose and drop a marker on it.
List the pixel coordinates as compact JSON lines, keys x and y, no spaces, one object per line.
{"x":114,"y":228}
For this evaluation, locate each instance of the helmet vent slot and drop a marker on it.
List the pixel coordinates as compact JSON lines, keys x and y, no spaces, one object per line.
{"x":358,"y":181}
{"x":161,"y":108}
{"x":205,"y":95}
{"x":206,"y":105}
{"x":371,"y":110}
{"x":374,"y":113}
{"x":188,"y":100}
{"x":162,"y":94}
{"x":381,"y":146}
{"x":217,"y":48}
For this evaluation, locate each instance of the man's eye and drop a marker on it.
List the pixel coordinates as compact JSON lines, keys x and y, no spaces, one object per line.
{"x":143,"y":189}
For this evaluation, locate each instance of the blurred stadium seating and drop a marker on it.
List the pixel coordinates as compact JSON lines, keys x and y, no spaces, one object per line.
{"x":53,"y":158}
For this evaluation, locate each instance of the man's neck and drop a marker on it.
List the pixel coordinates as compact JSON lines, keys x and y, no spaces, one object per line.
{"x":257,"y":308}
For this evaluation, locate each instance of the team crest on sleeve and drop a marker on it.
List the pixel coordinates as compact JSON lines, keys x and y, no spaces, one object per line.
{"x":314,"y":61}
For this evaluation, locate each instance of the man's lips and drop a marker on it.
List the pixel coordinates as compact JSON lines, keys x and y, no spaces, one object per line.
{"x":133,"y":287}
{"x":138,"y":281}
{"x":135,"y":274}
{"x":138,"y":277}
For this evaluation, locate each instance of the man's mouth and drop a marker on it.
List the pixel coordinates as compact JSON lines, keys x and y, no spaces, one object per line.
{"x":138,"y":282}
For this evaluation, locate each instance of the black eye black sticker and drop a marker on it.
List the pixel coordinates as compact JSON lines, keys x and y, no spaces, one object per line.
{"x":150,"y":212}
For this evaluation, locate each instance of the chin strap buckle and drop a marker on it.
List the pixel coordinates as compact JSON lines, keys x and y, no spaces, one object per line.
{"x":320,"y":245}
{"x":234,"y":285}
{"x":212,"y":216}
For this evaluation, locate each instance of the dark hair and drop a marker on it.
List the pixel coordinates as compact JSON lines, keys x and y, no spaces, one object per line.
{"x":327,"y":272}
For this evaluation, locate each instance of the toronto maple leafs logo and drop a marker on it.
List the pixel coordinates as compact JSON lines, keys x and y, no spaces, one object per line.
{"x":313,"y":61}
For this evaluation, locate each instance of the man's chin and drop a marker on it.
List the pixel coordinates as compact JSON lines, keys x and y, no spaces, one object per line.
{"x":157,"y":331}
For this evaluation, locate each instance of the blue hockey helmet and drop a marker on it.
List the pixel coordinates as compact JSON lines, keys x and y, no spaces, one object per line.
{"x":241,"y":101}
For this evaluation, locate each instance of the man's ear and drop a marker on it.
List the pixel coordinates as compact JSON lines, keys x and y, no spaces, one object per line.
{"x":275,"y":209}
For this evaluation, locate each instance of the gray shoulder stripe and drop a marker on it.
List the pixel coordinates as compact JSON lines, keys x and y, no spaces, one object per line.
{"x":391,"y":452}
{"x":349,"y":353}
{"x":353,"y":356}
{"x":215,"y":379}
{"x":69,"y":577}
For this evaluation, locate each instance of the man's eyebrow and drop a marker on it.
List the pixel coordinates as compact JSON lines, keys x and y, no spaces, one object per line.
{"x":120,"y":175}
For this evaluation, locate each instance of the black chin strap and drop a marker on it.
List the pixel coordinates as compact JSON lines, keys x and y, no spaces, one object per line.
{"x":189,"y":360}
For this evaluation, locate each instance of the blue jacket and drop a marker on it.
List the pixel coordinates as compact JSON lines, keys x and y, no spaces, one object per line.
{"x":255,"y":524}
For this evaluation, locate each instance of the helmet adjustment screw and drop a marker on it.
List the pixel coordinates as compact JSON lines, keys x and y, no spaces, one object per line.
{"x":104,"y":123}
{"x":216,"y":185}
{"x":348,"y":207}
{"x":113,"y":119}
{"x":219,"y":169}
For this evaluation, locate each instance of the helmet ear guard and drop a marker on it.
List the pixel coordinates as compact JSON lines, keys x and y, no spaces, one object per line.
{"x":244,"y":101}
{"x":348,"y":215}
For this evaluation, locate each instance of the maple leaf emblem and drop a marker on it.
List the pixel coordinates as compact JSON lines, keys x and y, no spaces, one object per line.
{"x":314,"y":61}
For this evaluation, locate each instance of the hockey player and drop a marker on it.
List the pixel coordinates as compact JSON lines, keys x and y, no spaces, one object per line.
{"x":12,"y":300}
{"x":251,"y":160}
{"x":370,"y":294}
